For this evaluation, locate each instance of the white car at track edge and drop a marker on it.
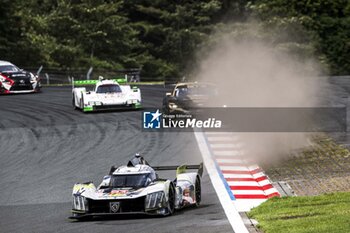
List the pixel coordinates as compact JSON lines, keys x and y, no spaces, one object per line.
{"x":135,"y":188}
{"x":108,"y":94}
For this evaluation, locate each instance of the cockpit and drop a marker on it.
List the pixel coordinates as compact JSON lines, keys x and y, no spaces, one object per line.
{"x":131,"y":180}
{"x":203,"y":90}
{"x":109,"y":88}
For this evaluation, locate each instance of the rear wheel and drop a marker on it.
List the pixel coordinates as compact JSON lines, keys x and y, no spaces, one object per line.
{"x":198,"y":190}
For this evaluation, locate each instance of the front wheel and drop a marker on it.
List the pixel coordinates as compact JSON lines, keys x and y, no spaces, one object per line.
{"x":82,"y":103}
{"x":82,"y":218}
{"x":73,"y":103}
{"x":198,"y":190}
{"x":171,"y":199}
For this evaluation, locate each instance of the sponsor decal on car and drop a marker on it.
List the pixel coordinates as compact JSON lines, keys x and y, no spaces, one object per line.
{"x":114,"y":207}
{"x":118,"y":193}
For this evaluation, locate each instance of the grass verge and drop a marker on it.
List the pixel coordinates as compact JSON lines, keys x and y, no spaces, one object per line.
{"x":323,"y":213}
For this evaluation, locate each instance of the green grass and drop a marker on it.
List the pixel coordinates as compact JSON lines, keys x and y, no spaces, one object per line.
{"x":323,"y":213}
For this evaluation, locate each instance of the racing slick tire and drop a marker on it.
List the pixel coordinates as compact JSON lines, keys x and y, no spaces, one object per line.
{"x":83,"y":218}
{"x":171,"y":199}
{"x":37,"y":90}
{"x":198,"y":191}
{"x":73,"y":103}
{"x":165,"y":108}
{"x":81,"y":105}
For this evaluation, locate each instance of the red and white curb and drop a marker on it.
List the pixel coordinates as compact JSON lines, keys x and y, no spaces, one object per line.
{"x":239,"y":183}
{"x":221,"y":190}
{"x":246,"y":180}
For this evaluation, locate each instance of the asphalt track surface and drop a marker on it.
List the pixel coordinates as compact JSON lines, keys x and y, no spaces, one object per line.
{"x":46,"y":147}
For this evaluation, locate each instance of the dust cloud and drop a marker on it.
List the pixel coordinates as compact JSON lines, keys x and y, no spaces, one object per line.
{"x":253,"y":74}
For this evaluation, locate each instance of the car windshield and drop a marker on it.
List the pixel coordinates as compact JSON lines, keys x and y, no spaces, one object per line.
{"x":110,"y":88}
{"x":9,"y":68}
{"x":135,"y":181}
{"x":206,"y":90}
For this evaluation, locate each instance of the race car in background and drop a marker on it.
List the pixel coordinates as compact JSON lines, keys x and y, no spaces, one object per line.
{"x":16,"y":80}
{"x":108,"y":94}
{"x":187,"y":96}
{"x":136,"y":188}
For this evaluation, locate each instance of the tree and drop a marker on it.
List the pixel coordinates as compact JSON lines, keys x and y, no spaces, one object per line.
{"x":321,"y":25}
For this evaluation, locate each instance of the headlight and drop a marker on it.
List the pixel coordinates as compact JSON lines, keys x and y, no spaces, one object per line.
{"x":172,"y":105}
{"x":132,"y":101}
{"x":155,"y":200}
{"x":95,"y":103}
{"x":6,"y":80}
{"x":33,"y":78}
{"x":80,"y":203}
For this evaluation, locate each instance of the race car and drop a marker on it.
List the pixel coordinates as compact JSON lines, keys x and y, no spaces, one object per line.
{"x":187,"y":96}
{"x":108,"y":94}
{"x":16,"y":80}
{"x":136,"y":188}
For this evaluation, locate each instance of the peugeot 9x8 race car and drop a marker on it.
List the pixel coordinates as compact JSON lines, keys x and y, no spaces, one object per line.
{"x":135,"y":188}
{"x":187,"y":96}
{"x":108,"y":94}
{"x":16,"y":80}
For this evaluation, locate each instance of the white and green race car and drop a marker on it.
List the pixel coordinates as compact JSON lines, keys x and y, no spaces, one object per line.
{"x":135,"y":188}
{"x":108,"y":94}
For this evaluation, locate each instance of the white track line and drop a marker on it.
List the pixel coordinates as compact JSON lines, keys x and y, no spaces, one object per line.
{"x":237,"y":175}
{"x":226,"y":145}
{"x":231,"y":212}
{"x":230,"y":160}
{"x":248,"y":192}
{"x":222,"y":139}
{"x":234,"y":168}
{"x":245,"y":205}
{"x":270,"y":191}
{"x":259,"y":174}
{"x":228,"y":153}
{"x":248,"y":183}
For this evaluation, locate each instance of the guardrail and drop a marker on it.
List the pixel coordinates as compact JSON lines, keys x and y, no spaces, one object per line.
{"x":58,"y":76}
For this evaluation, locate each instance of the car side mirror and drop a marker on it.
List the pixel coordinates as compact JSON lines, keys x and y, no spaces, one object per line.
{"x":105,"y":182}
{"x":168,"y":94}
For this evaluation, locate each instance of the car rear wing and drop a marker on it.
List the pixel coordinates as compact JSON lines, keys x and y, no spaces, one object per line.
{"x":120,"y":81}
{"x":181,"y":168}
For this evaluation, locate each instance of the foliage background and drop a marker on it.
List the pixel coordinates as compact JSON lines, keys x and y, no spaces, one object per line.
{"x":165,"y":37}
